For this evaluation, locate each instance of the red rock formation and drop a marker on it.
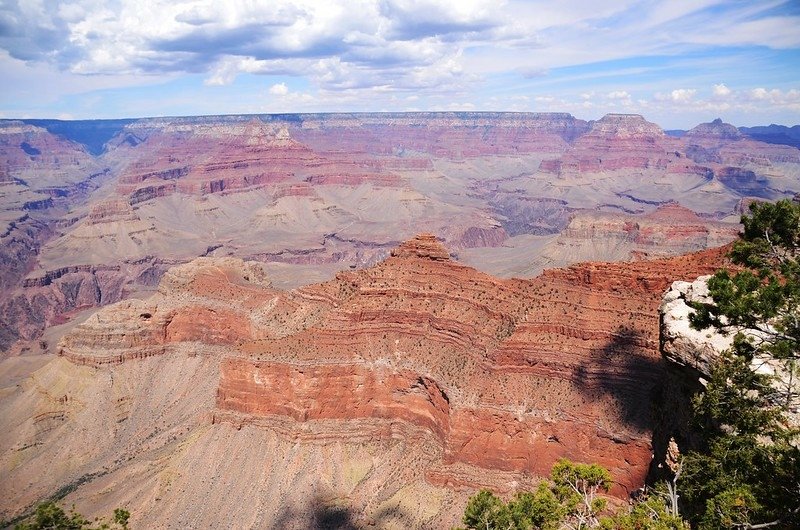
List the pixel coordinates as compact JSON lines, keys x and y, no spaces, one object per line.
{"x":112,"y":210}
{"x":715,"y":130}
{"x":333,"y":391}
{"x":198,"y":159}
{"x":616,"y":141}
{"x":670,"y":229}
{"x":315,"y":156}
{"x":723,"y":143}
{"x":431,"y":373}
{"x":354,"y":180}
{"x":28,"y":151}
{"x":367,"y":179}
{"x":424,"y":246}
{"x":564,"y":365}
{"x":445,"y":134}
{"x":206,"y":158}
{"x":507,"y":375}
{"x":418,"y":379}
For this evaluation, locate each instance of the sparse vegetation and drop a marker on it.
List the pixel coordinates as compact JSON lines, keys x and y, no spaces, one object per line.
{"x":571,"y":499}
{"x":51,"y":516}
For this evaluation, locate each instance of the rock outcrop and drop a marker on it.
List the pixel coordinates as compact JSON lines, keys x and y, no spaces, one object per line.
{"x":208,"y":300}
{"x":715,"y":130}
{"x":616,"y":142}
{"x":698,"y":351}
{"x":691,"y":355}
{"x":441,"y":134}
{"x":722,"y":143}
{"x":437,"y":378}
{"x":669,"y":230}
{"x":39,"y":170}
{"x":680,"y":343}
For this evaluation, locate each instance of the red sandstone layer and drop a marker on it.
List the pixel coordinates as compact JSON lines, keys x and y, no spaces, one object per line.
{"x":507,"y":375}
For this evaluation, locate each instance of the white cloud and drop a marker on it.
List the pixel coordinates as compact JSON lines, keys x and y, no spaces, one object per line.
{"x":682,"y":95}
{"x":157,"y":36}
{"x":760,"y":93}
{"x":224,"y":74}
{"x":279,"y":89}
{"x":721,"y":91}
{"x":454,"y":51}
{"x":462,"y":106}
{"x":618,"y":94}
{"x":775,"y":97}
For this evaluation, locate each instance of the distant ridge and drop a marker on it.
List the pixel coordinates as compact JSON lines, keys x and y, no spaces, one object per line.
{"x":774,"y":134}
{"x":92,"y":133}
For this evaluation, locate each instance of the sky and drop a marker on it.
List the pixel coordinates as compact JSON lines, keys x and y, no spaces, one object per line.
{"x":677,"y":62}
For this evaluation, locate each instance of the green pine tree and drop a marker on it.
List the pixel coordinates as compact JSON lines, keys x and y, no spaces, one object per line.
{"x":748,"y":473}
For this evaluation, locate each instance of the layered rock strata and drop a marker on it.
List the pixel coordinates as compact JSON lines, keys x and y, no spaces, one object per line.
{"x":486,"y":382}
{"x":669,"y":230}
{"x":336,"y":191}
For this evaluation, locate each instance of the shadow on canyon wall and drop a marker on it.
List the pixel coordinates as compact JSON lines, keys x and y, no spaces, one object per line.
{"x":648,"y":394}
{"x":626,"y":371}
{"x":326,"y":512}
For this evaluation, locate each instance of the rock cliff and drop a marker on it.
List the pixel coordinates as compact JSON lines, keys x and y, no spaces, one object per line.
{"x":615,"y":142}
{"x":404,"y":386}
{"x":696,"y":352}
{"x":511,"y":193}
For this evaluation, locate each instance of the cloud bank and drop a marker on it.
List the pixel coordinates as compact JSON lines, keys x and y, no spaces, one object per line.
{"x":465,"y":52}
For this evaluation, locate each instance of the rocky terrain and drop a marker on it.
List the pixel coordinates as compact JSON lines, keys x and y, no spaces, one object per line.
{"x":275,"y":332}
{"x":692,"y":354}
{"x":309,"y":195}
{"x":384,"y":396}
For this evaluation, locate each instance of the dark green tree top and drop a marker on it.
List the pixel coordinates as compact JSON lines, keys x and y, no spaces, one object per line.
{"x":765,"y":296}
{"x":51,"y":516}
{"x":748,"y":473}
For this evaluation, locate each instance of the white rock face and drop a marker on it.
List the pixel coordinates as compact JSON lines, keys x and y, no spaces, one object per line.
{"x":682,"y":344}
{"x":685,"y":346}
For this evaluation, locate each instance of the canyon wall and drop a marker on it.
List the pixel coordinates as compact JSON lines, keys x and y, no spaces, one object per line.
{"x":388,"y":394}
{"x":313,"y":194}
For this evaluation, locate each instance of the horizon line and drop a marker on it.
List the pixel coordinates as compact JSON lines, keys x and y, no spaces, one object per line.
{"x":366,"y":113}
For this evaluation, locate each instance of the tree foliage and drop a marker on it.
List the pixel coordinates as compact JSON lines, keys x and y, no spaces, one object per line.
{"x":748,"y":473}
{"x":570,"y":500}
{"x":577,"y":487}
{"x":50,"y":516}
{"x":765,"y":296}
{"x":649,"y":512}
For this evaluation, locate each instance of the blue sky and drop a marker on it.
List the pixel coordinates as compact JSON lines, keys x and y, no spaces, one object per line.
{"x":677,"y":62}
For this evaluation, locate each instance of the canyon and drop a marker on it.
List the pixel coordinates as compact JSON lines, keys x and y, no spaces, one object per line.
{"x":201,"y":310}
{"x":512,"y":193}
{"x":389,"y":393}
